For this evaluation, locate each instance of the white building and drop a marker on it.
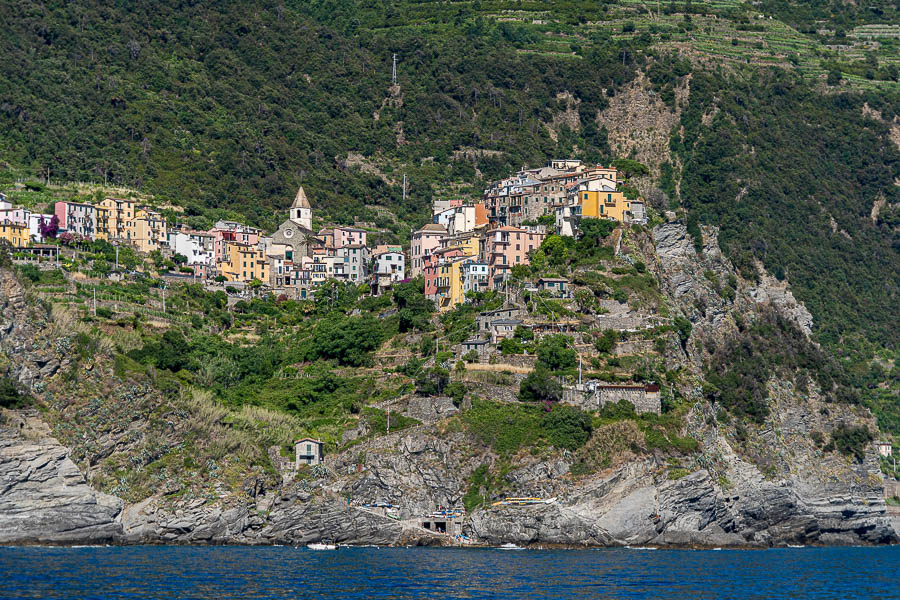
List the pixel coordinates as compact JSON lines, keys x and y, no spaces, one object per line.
{"x":390,"y":265}
{"x":197,"y":247}
{"x":567,"y":218}
{"x":476,"y":277}
{"x":34,"y":226}
{"x":308,"y":452}
{"x":458,"y":219}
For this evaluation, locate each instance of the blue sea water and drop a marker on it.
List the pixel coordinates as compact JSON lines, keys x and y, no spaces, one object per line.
{"x":285,"y":572}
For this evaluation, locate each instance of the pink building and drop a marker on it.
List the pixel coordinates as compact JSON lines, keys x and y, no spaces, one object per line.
{"x":349,"y":236}
{"x":509,"y":246}
{"x":77,"y":218}
{"x":422,"y":243}
{"x":16,"y":215}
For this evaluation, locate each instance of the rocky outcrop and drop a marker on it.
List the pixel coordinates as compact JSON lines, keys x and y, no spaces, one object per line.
{"x":43,"y":496}
{"x":291,"y":518}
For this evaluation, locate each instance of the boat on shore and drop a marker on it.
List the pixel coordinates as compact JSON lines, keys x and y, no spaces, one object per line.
{"x":524,"y":501}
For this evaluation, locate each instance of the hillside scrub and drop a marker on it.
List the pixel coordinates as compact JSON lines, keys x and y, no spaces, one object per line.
{"x":738,"y":370}
{"x":507,"y":428}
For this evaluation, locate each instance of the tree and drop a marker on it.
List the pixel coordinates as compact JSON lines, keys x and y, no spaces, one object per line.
{"x":519,"y":272}
{"x":157,"y":258}
{"x":556,"y":249}
{"x":834,"y":77}
{"x":432,"y":382}
{"x":540,"y":386}
{"x":547,"y":220}
{"x":555,"y":352}
{"x":179,"y":259}
{"x":606,"y":341}
{"x":630,"y":167}
{"x":538,"y":261}
{"x":350,"y":341}
{"x":414,"y":309}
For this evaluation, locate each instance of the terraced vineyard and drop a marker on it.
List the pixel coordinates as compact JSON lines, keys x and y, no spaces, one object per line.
{"x":712,"y":32}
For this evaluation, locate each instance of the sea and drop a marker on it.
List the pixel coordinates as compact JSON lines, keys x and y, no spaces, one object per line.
{"x":221,"y":572}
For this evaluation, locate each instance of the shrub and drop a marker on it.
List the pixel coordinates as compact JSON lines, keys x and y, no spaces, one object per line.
{"x":511,"y":346}
{"x":851,"y":440}
{"x":566,"y":427}
{"x":30,"y":272}
{"x":457,"y":391}
{"x":620,"y":296}
{"x":10,"y":397}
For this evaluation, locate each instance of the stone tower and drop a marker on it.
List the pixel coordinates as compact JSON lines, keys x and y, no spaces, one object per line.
{"x":301,"y":212}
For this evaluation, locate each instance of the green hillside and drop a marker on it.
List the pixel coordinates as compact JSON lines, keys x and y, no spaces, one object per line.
{"x":784,"y":140}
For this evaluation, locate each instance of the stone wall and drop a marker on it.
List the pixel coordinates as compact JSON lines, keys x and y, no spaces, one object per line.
{"x":891,"y":488}
{"x":642,"y":400}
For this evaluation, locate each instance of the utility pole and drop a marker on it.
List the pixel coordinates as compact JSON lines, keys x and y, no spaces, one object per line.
{"x":394,"y":71}
{"x":117,"y":257}
{"x":95,"y":301}
{"x":164,"y":296}
{"x":404,"y":188}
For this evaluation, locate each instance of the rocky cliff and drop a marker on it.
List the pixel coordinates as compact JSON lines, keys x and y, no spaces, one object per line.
{"x":773,"y":486}
{"x":43,"y":496}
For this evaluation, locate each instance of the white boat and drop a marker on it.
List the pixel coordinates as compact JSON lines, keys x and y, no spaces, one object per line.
{"x":320,"y":546}
{"x":510,"y":546}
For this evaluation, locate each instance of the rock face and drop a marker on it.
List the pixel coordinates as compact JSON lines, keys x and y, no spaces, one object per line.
{"x":774,"y":488}
{"x":44,"y":497}
{"x":293,"y":518}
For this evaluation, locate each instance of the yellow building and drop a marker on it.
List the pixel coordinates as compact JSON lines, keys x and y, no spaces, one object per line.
{"x":606,"y":203}
{"x":120,"y":219}
{"x":244,"y":262}
{"x":149,"y":229}
{"x":450,"y":290}
{"x":15,"y":234}
{"x":101,"y":232}
{"x":467,"y":242}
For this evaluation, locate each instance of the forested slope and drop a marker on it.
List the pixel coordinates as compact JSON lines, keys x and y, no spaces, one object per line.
{"x":225,"y":108}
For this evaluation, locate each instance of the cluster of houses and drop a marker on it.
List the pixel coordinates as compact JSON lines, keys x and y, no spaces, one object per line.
{"x":468,"y":246}
{"x":294,"y":256}
{"x":474,"y":246}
